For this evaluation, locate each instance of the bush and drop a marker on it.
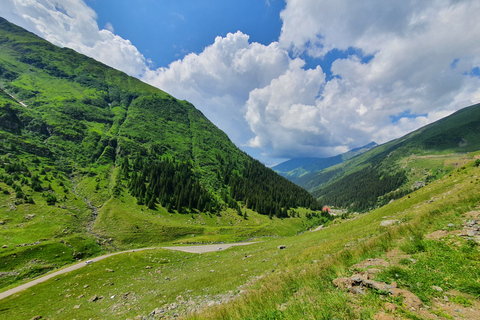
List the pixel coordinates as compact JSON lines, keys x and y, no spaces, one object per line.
{"x":51,"y":199}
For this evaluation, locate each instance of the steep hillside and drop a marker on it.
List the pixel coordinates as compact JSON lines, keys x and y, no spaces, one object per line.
{"x":298,"y":167}
{"x":92,"y":160}
{"x":396,"y":168}
{"x":416,"y":258}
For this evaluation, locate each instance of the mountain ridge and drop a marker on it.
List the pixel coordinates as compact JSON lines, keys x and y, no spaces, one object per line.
{"x":93,"y":160}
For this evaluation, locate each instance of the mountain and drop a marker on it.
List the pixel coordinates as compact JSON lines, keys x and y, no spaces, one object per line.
{"x":297,"y":167}
{"x":424,"y":246}
{"x":394,"y":169}
{"x":92,"y":160}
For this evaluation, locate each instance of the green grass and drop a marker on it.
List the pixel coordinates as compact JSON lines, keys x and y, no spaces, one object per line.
{"x":72,"y":122}
{"x":296,"y":282}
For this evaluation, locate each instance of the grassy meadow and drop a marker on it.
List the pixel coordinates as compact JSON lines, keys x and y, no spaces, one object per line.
{"x":261,"y":281}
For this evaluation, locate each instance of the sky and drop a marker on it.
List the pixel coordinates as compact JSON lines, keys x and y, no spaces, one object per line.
{"x":284,"y":79}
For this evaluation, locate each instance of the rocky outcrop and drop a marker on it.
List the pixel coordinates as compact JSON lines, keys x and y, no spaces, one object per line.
{"x":360,"y":282}
{"x":386,"y":223}
{"x":471,"y":227}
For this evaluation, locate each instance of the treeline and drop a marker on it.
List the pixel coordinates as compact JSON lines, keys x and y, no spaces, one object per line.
{"x":174,"y":186}
{"x":262,"y":190}
{"x":168,"y":183}
{"x":360,"y":190}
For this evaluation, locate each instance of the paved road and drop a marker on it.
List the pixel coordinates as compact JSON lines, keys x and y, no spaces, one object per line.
{"x":192,"y":249}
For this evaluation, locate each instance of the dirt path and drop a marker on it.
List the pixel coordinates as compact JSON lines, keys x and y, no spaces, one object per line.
{"x":13,"y":97}
{"x":208,"y":248}
{"x":191,"y":249}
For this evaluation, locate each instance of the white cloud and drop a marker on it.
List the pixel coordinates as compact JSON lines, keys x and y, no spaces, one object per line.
{"x":71,"y":23}
{"x":283,"y":114}
{"x":414,"y":45}
{"x":109,"y":27}
{"x":219,"y":79}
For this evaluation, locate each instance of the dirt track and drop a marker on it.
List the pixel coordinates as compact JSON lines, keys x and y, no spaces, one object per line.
{"x":191,"y":249}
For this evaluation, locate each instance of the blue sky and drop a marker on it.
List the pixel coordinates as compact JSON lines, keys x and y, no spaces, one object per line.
{"x":164,"y":31}
{"x":283,"y":78}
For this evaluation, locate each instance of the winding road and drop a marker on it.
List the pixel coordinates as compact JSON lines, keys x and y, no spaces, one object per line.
{"x":191,"y":249}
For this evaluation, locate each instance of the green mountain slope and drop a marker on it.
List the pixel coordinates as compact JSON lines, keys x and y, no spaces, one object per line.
{"x":416,"y":244}
{"x":394,"y":169}
{"x":92,"y":160}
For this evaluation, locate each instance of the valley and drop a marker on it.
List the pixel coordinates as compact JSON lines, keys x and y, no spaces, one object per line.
{"x":178,"y":222}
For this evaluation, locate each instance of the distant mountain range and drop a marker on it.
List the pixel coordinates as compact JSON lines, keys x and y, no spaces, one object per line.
{"x":298,"y":167}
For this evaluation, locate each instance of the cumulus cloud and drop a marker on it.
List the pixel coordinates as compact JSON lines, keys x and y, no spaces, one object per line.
{"x":421,"y":58}
{"x":71,"y":23}
{"x":219,"y":79}
{"x":283,"y":114}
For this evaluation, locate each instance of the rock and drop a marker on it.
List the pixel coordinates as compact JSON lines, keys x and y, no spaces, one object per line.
{"x":81,"y":296}
{"x":470,"y":223}
{"x":109,"y":270}
{"x":381,"y":286}
{"x":418,"y":184}
{"x":282,"y":247}
{"x":156,"y":311}
{"x":85,"y":286}
{"x":37,"y":318}
{"x":77,"y":306}
{"x":4,"y":246}
{"x":450,"y":225}
{"x":357,"y":290}
{"x":148,"y":267}
{"x":446,"y":299}
{"x":386,"y":223}
{"x":472,"y":233}
{"x":357,"y":279}
{"x":93,"y":299}
{"x":435,"y":288}
{"x":211,"y":271}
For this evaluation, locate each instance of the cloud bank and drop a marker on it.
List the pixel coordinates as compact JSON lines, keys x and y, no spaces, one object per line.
{"x":71,"y":23}
{"x":414,"y":62}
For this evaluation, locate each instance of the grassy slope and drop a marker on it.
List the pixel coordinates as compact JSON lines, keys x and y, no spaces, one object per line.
{"x":72,"y":120}
{"x":294,"y":283}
